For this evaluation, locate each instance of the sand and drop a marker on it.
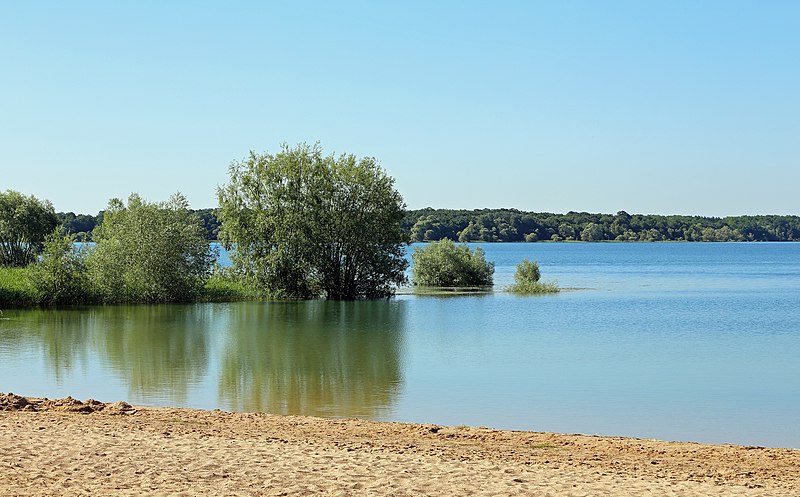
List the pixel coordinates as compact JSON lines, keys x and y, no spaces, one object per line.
{"x":68,"y":447}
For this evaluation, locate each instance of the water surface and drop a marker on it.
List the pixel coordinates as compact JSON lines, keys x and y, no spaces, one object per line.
{"x":674,"y":341}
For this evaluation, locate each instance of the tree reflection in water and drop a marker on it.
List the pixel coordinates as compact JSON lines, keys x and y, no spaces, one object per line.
{"x":313,"y":358}
{"x":161,"y":351}
{"x":62,"y":336}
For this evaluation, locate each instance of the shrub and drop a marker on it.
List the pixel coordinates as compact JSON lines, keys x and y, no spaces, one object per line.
{"x":60,"y":277}
{"x":149,"y":252}
{"x":526,"y":280}
{"x":445,"y":264}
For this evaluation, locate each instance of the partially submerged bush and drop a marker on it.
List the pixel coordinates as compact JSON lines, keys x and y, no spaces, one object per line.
{"x":526,"y":280}
{"x":445,"y":264}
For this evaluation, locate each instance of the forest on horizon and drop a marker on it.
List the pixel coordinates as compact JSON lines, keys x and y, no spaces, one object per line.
{"x":513,"y":225}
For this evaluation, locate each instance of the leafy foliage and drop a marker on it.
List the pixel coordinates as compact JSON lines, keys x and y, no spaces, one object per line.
{"x":526,"y":280}
{"x":17,"y":288}
{"x":149,"y":252}
{"x":445,"y":264}
{"x":60,"y":277}
{"x":25,"y":221}
{"x":511,"y":225}
{"x":304,"y":225}
{"x":527,"y":271}
{"x":224,"y":286}
{"x":80,"y":225}
{"x":210,"y":222}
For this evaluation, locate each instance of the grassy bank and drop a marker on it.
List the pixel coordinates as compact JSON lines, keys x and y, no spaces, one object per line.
{"x":17,"y":288}
{"x":221,"y":288}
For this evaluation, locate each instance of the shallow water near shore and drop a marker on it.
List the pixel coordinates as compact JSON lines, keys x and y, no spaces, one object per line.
{"x":676,"y":341}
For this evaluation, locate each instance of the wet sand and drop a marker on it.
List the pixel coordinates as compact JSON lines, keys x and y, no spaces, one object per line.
{"x":69,"y":447}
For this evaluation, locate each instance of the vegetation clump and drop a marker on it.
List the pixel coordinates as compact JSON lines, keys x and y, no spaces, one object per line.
{"x":445,"y":264}
{"x":143,"y":253}
{"x":526,"y":280}
{"x":224,"y":285}
{"x":17,"y":287}
{"x":299,"y":225}
{"x":512,"y":225}
{"x":25,"y":221}
{"x":60,"y":277}
{"x":149,"y":252}
{"x":303,"y":225}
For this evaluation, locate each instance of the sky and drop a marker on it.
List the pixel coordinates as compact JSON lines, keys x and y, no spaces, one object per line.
{"x":658,"y":107}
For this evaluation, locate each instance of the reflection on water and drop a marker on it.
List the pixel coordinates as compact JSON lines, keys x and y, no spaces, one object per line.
{"x":317,"y":358}
{"x":62,"y":337}
{"x":158,"y":350}
{"x":673,"y":341}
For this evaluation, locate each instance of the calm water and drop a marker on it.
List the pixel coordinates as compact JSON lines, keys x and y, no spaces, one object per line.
{"x":663,"y":340}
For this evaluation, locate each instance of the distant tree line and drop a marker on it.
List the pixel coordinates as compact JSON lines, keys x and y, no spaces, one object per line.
{"x":82,"y":225}
{"x":511,"y":225}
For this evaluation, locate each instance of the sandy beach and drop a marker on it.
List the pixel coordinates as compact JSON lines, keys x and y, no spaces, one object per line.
{"x":70,"y":447}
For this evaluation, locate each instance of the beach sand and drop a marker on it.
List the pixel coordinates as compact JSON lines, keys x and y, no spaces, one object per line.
{"x":68,"y":447}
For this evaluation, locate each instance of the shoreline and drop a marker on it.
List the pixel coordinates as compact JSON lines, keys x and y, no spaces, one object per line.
{"x":73,"y":447}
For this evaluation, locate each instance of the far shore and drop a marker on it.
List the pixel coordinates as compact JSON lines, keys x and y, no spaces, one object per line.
{"x":67,"y":446}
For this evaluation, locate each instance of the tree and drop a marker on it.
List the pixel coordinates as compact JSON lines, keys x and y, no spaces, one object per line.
{"x":304,"y":225}
{"x":25,"y":221}
{"x":592,"y":233}
{"x":149,"y":252}
{"x":445,"y":264}
{"x":80,"y":225}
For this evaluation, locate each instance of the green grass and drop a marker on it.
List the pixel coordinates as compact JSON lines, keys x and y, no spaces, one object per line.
{"x":16,"y":288}
{"x":226,"y":289}
{"x":534,"y":287}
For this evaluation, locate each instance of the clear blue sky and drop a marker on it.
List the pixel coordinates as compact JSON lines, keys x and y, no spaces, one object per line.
{"x":687,"y":107}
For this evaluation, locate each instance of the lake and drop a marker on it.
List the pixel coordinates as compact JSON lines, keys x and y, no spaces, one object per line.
{"x":675,"y":341}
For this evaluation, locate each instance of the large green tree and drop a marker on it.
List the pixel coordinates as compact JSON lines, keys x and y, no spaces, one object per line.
{"x":149,"y":252}
{"x":303,"y":224}
{"x":25,"y":221}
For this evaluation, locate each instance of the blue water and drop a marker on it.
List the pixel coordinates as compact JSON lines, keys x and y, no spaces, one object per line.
{"x":675,"y":341}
